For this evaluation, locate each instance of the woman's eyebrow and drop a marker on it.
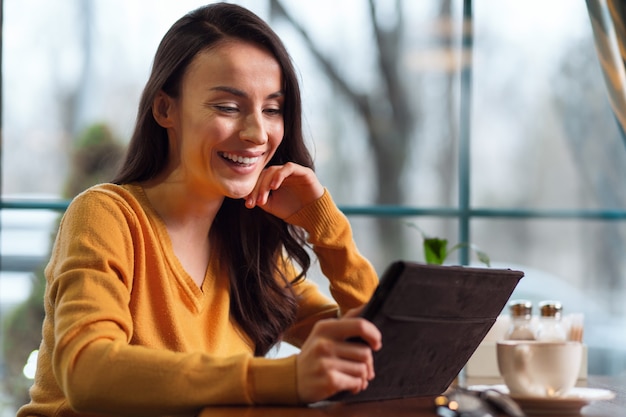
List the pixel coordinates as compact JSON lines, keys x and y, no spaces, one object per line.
{"x":277,"y":94}
{"x":239,"y":93}
{"x":230,"y":90}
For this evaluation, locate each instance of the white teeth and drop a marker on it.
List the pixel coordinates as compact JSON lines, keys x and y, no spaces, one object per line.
{"x":240,"y":159}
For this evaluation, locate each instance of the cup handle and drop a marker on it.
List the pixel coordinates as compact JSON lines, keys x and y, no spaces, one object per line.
{"x":520,"y":362}
{"x":521,"y":357}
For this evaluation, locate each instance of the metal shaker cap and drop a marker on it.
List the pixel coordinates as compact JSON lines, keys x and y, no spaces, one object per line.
{"x":550,"y":308}
{"x":520,"y":308}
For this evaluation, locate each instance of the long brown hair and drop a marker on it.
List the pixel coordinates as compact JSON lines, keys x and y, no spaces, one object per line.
{"x":250,"y":243}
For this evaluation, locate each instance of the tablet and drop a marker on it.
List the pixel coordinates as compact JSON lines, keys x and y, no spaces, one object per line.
{"x":432,"y":319}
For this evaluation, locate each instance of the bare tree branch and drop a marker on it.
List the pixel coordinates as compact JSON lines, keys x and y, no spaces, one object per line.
{"x":359,"y":101}
{"x":388,"y":42}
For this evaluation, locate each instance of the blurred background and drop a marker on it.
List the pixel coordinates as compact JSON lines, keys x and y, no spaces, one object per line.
{"x":485,"y":121}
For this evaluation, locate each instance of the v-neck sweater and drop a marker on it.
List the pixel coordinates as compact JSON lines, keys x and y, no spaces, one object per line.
{"x":128,"y":332}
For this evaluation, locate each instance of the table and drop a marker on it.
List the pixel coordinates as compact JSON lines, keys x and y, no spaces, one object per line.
{"x":616,"y":407}
{"x":419,"y":406}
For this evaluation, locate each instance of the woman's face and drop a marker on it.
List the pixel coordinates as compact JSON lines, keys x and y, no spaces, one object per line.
{"x":228,"y":120}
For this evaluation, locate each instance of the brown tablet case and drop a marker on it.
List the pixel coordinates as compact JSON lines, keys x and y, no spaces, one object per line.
{"x":432,"y":318}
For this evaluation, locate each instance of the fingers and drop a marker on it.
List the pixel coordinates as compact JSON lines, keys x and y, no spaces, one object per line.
{"x":284,"y":189}
{"x":328,"y":363}
{"x":323,"y":370}
{"x":328,"y":378}
{"x":351,"y":359}
{"x":350,"y":327}
{"x":269,"y":180}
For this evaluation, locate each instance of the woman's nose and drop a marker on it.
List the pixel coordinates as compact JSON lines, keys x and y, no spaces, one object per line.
{"x":253,"y":129}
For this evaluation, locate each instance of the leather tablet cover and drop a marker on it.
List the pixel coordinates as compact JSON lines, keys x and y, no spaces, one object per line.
{"x":432,"y":319}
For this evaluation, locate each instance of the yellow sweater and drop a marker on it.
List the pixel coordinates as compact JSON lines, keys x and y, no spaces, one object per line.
{"x":128,"y":332}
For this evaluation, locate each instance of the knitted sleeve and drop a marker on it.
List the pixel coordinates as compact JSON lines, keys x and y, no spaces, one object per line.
{"x":352,"y":279}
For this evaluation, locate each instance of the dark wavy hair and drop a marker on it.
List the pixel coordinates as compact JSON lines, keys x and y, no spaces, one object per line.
{"x":250,"y":244}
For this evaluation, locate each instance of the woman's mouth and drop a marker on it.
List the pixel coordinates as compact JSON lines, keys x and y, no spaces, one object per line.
{"x":238,"y":159}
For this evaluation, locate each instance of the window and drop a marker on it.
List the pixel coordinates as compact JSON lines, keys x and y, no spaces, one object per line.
{"x":507,"y":140}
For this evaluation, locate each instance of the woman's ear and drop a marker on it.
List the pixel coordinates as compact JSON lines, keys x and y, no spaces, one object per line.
{"x":163,"y":110}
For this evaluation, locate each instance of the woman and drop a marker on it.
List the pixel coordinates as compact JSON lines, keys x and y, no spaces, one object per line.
{"x":166,"y":288}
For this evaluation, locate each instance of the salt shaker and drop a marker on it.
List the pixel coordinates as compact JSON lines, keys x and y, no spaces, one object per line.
{"x":521,"y":321}
{"x":551,"y":327}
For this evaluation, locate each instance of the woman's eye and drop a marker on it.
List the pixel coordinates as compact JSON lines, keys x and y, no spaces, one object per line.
{"x":273,"y":112}
{"x":226,"y":109}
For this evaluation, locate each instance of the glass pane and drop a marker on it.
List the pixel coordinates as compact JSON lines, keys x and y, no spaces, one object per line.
{"x":543,"y":134}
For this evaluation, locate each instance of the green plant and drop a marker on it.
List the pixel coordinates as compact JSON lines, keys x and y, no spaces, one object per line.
{"x":436,"y":249}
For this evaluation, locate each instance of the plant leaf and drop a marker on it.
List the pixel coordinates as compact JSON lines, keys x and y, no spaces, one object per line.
{"x":416,"y":227}
{"x":482,"y":256}
{"x":435,"y":250}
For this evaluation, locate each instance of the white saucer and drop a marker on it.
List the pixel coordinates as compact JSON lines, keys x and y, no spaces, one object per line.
{"x":577,"y":398}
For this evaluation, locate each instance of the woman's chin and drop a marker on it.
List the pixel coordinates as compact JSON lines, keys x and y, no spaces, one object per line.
{"x":239,"y":193}
{"x":240,"y":188}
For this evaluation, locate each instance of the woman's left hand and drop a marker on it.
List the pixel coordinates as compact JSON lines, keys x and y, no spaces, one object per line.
{"x":282,"y":190}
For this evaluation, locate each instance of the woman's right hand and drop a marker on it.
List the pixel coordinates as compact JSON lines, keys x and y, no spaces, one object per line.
{"x":328,"y":363}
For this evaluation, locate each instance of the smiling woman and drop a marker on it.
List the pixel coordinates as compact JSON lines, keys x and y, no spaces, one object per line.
{"x":167,"y":286}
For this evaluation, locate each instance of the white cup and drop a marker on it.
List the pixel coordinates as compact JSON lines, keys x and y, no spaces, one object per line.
{"x":539,"y":369}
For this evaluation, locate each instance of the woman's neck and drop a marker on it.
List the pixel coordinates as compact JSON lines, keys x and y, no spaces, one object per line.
{"x":188,"y":218}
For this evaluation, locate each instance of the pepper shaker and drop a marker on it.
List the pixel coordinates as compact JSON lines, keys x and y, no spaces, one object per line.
{"x":551,"y":327}
{"x":521,"y":321}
